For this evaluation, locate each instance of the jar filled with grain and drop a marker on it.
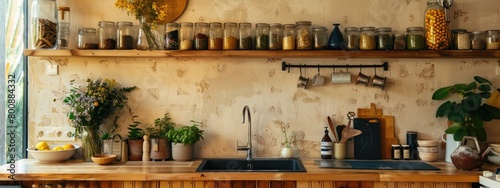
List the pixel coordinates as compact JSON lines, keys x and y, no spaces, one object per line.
{"x":172,"y":36}
{"x":87,"y":38}
{"x":289,"y":37}
{"x":230,"y":41}
{"x":454,"y":38}
{"x":245,"y":36}
{"x":492,"y":39}
{"x":351,"y":38}
{"x":383,"y":38}
{"x":262,"y":36}
{"x":186,"y":36}
{"x":319,"y":38}
{"x":275,"y":36}
{"x":437,"y":36}
{"x":399,"y":41}
{"x":44,"y":24}
{"x":477,"y":40}
{"x":415,"y":39}
{"x":304,"y":35}
{"x":125,"y":33}
{"x":107,"y":35}
{"x":367,"y":38}
{"x":200,"y":38}
{"x":215,"y":37}
{"x":463,"y":41}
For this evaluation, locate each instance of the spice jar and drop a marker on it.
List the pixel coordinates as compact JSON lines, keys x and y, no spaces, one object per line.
{"x":319,"y":38}
{"x":44,"y":24}
{"x":396,"y":152}
{"x":172,"y":36}
{"x":87,"y":38}
{"x":367,"y":38}
{"x":383,"y":38}
{"x":477,"y":40}
{"x":415,"y":39}
{"x":406,"y":152}
{"x":454,"y":39}
{"x":304,"y":35}
{"x":201,"y":36}
{"x":215,"y":36}
{"x":230,"y":41}
{"x":107,"y":35}
{"x":289,"y":37}
{"x":492,"y":39}
{"x":245,"y":36}
{"x":63,"y":35}
{"x":262,"y":36}
{"x":275,"y":36}
{"x":463,"y":41}
{"x":186,"y":36}
{"x":125,"y":33}
{"x":351,"y":38}
{"x":399,"y":41}
{"x":437,"y":35}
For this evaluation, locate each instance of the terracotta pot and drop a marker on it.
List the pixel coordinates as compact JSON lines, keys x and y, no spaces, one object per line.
{"x":182,"y":152}
{"x":160,"y":149}
{"x":135,"y":150}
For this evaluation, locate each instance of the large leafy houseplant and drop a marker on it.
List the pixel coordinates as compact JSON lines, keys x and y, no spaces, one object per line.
{"x":469,"y":114}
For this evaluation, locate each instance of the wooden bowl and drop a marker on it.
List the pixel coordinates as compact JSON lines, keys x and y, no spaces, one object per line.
{"x":103,"y":159}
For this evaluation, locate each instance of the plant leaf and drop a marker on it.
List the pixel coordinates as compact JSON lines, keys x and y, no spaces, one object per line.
{"x":494,"y":111}
{"x":453,"y":128}
{"x":485,"y":95}
{"x":470,"y":86}
{"x":483,"y":113}
{"x":484,"y":87}
{"x":459,"y":87}
{"x":482,"y":80}
{"x":444,"y":109}
{"x":472,"y":103}
{"x":460,"y":133}
{"x":441,"y":93}
{"x":456,"y":117}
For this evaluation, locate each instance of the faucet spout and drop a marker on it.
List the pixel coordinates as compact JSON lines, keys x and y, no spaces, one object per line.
{"x":248,"y":147}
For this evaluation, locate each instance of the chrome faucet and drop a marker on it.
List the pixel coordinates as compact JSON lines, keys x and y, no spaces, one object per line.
{"x":248,"y":147}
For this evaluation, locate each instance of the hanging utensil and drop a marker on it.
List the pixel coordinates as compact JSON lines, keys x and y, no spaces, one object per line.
{"x":447,"y":5}
{"x":347,"y":132}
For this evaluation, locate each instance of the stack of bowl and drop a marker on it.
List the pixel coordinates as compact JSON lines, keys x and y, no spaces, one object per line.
{"x":494,"y":155}
{"x":427,"y":150}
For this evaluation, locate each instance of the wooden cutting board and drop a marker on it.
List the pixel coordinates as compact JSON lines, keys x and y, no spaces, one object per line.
{"x":175,"y":9}
{"x":387,"y":128}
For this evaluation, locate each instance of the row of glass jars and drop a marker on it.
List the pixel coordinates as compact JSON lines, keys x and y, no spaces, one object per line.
{"x":108,"y":36}
{"x":476,"y":40}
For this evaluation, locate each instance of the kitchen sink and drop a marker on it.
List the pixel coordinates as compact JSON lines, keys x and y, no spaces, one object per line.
{"x":253,"y":165}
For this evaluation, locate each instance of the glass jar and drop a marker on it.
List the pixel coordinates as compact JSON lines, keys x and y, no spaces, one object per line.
{"x":44,"y":24}
{"x":230,"y":41}
{"x":215,"y":36}
{"x":492,"y":39}
{"x":262,"y":36}
{"x":275,"y":36}
{"x":415,"y":39}
{"x":172,"y":36}
{"x":437,"y":33}
{"x":200,"y":39}
{"x":107,"y":35}
{"x":125,"y":36}
{"x":288,"y":37}
{"x":463,"y":41}
{"x":399,"y":41}
{"x":87,"y":38}
{"x":383,"y":38}
{"x":63,"y":35}
{"x":245,"y":36}
{"x":186,"y":36}
{"x":367,"y":38}
{"x":351,"y":38}
{"x":319,"y":38}
{"x":396,"y":152}
{"x":63,"y":14}
{"x":454,"y":39}
{"x":304,"y":35}
{"x":477,"y":40}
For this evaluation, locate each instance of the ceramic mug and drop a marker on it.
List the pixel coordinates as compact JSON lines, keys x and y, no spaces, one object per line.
{"x":318,"y":80}
{"x":339,"y":150}
{"x":451,"y":145}
{"x":362,"y":79}
{"x":379,"y":81}
{"x":341,"y":78}
{"x":302,"y":82}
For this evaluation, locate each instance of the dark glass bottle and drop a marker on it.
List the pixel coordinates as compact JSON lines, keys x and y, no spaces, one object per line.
{"x":336,"y":40}
{"x":326,"y":146}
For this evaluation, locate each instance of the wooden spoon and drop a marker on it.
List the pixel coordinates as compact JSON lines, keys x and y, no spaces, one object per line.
{"x":330,"y":123}
{"x":349,"y":133}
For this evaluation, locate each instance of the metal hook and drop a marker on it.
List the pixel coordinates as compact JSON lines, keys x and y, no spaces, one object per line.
{"x":347,"y":67}
{"x":333,"y":66}
{"x":300,"y":68}
{"x":318,"y":68}
{"x":375,"y":68}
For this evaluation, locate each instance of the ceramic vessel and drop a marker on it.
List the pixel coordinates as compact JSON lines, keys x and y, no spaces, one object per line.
{"x":182,"y":152}
{"x":336,"y":40}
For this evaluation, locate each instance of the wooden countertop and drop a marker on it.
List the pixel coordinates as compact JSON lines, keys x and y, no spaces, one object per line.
{"x":30,"y":169}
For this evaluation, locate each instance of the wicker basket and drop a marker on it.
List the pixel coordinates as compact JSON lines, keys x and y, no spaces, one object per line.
{"x":103,"y":159}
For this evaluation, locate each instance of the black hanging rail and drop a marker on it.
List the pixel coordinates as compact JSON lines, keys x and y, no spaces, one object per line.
{"x":284,"y":66}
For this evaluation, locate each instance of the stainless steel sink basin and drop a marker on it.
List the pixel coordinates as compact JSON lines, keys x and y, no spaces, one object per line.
{"x":254,"y":165}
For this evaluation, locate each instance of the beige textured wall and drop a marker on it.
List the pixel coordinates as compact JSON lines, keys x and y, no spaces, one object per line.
{"x":214,"y":91}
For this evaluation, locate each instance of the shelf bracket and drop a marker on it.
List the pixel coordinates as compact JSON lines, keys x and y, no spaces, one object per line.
{"x":285,"y":66}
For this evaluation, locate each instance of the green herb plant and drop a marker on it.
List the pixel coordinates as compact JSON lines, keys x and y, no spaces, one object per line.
{"x":186,"y":134}
{"x":161,"y":127}
{"x":134,"y":133}
{"x":109,"y":132}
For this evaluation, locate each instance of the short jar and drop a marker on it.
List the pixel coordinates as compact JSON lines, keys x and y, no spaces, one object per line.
{"x":463,"y":41}
{"x":245,"y":36}
{"x":172,"y":36}
{"x":405,"y":152}
{"x":383,"y":38}
{"x":492,"y":39}
{"x":367,"y":38}
{"x":477,"y":40}
{"x":396,"y":152}
{"x":289,"y":37}
{"x":319,"y":38}
{"x":215,"y":36}
{"x":230,"y":41}
{"x":399,"y":41}
{"x":304,"y":35}
{"x":200,"y":40}
{"x":186,"y":36}
{"x":415,"y":39}
{"x":87,"y":38}
{"x":107,"y":35}
{"x":125,"y":33}
{"x":454,"y":38}
{"x":351,"y":38}
{"x":275,"y":36}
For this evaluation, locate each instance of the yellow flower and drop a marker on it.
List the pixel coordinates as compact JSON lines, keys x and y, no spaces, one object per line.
{"x":96,"y":103}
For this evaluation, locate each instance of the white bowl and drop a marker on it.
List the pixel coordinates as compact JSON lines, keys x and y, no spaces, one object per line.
{"x":50,"y":156}
{"x":427,"y":149}
{"x":494,"y":159}
{"x":427,"y":143}
{"x":428,"y":157}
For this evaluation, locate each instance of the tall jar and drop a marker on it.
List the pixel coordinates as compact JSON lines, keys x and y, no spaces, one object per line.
{"x":319,"y":38}
{"x":477,"y":40}
{"x":245,"y":36}
{"x":415,"y":38}
{"x":231,"y":34}
{"x":215,"y":36}
{"x":201,"y":31}
{"x":107,"y":35}
{"x":63,"y":35}
{"x":367,"y":38}
{"x":437,"y":33}
{"x":172,"y":36}
{"x":275,"y":36}
{"x":304,"y":35}
{"x":87,"y":38}
{"x":125,"y":33}
{"x":288,"y":37}
{"x":186,"y":36}
{"x":44,"y":24}
{"x":262,"y":36}
{"x":383,"y":38}
{"x":351,"y":38}
{"x":492,"y":39}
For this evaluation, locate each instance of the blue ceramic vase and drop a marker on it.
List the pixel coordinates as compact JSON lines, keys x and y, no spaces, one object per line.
{"x":336,"y":40}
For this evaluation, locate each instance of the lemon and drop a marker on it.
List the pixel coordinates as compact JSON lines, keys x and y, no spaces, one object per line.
{"x":68,"y":147}
{"x":58,"y":148}
{"x":42,"y":146}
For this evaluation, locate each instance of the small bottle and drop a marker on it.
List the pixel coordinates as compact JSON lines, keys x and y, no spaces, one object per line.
{"x":87,"y":38}
{"x":125,"y":33}
{"x":351,"y":38}
{"x":319,"y":38}
{"x":383,"y":38}
{"x":415,"y":39}
{"x":492,"y":39}
{"x":230,"y":41}
{"x":245,"y":36}
{"x":477,"y":40}
{"x":107,"y":35}
{"x":215,"y":37}
{"x":396,"y":152}
{"x":406,"y":152}
{"x":399,"y":41}
{"x":288,"y":37}
{"x":200,"y":39}
{"x":63,"y":36}
{"x":367,"y":38}
{"x":186,"y":36}
{"x":326,"y":146}
{"x":275,"y":36}
{"x":262,"y":36}
{"x":44,"y":24}
{"x":304,"y":35}
{"x":172,"y":36}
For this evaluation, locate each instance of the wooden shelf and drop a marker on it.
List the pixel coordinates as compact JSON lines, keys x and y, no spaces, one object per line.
{"x":266,"y":54}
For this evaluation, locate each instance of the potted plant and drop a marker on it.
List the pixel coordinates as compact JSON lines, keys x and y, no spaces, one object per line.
{"x":135,"y":139}
{"x":160,"y":145}
{"x":183,"y":140}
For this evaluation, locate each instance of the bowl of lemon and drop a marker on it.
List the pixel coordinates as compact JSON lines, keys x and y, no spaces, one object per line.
{"x":43,"y":153}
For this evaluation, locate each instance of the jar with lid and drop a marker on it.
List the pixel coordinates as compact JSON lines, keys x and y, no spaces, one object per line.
{"x":186,"y":36}
{"x":383,"y":38}
{"x":172,"y":36}
{"x":125,"y":33}
{"x":288,"y":37}
{"x":261,"y":36}
{"x":63,"y":36}
{"x":351,"y":38}
{"x":231,"y":34}
{"x":367,"y":38}
{"x":275,"y":36}
{"x":399,"y":41}
{"x":304,"y":35}
{"x":215,"y":36}
{"x":405,"y":152}
{"x":492,"y":39}
{"x":396,"y":151}
{"x":87,"y":38}
{"x":463,"y":41}
{"x":201,"y":32}
{"x":319,"y":38}
{"x":107,"y":35}
{"x":437,"y":30}
{"x":415,"y":39}
{"x":477,"y":40}
{"x":454,"y":38}
{"x":245,"y":36}
{"x":44,"y":24}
